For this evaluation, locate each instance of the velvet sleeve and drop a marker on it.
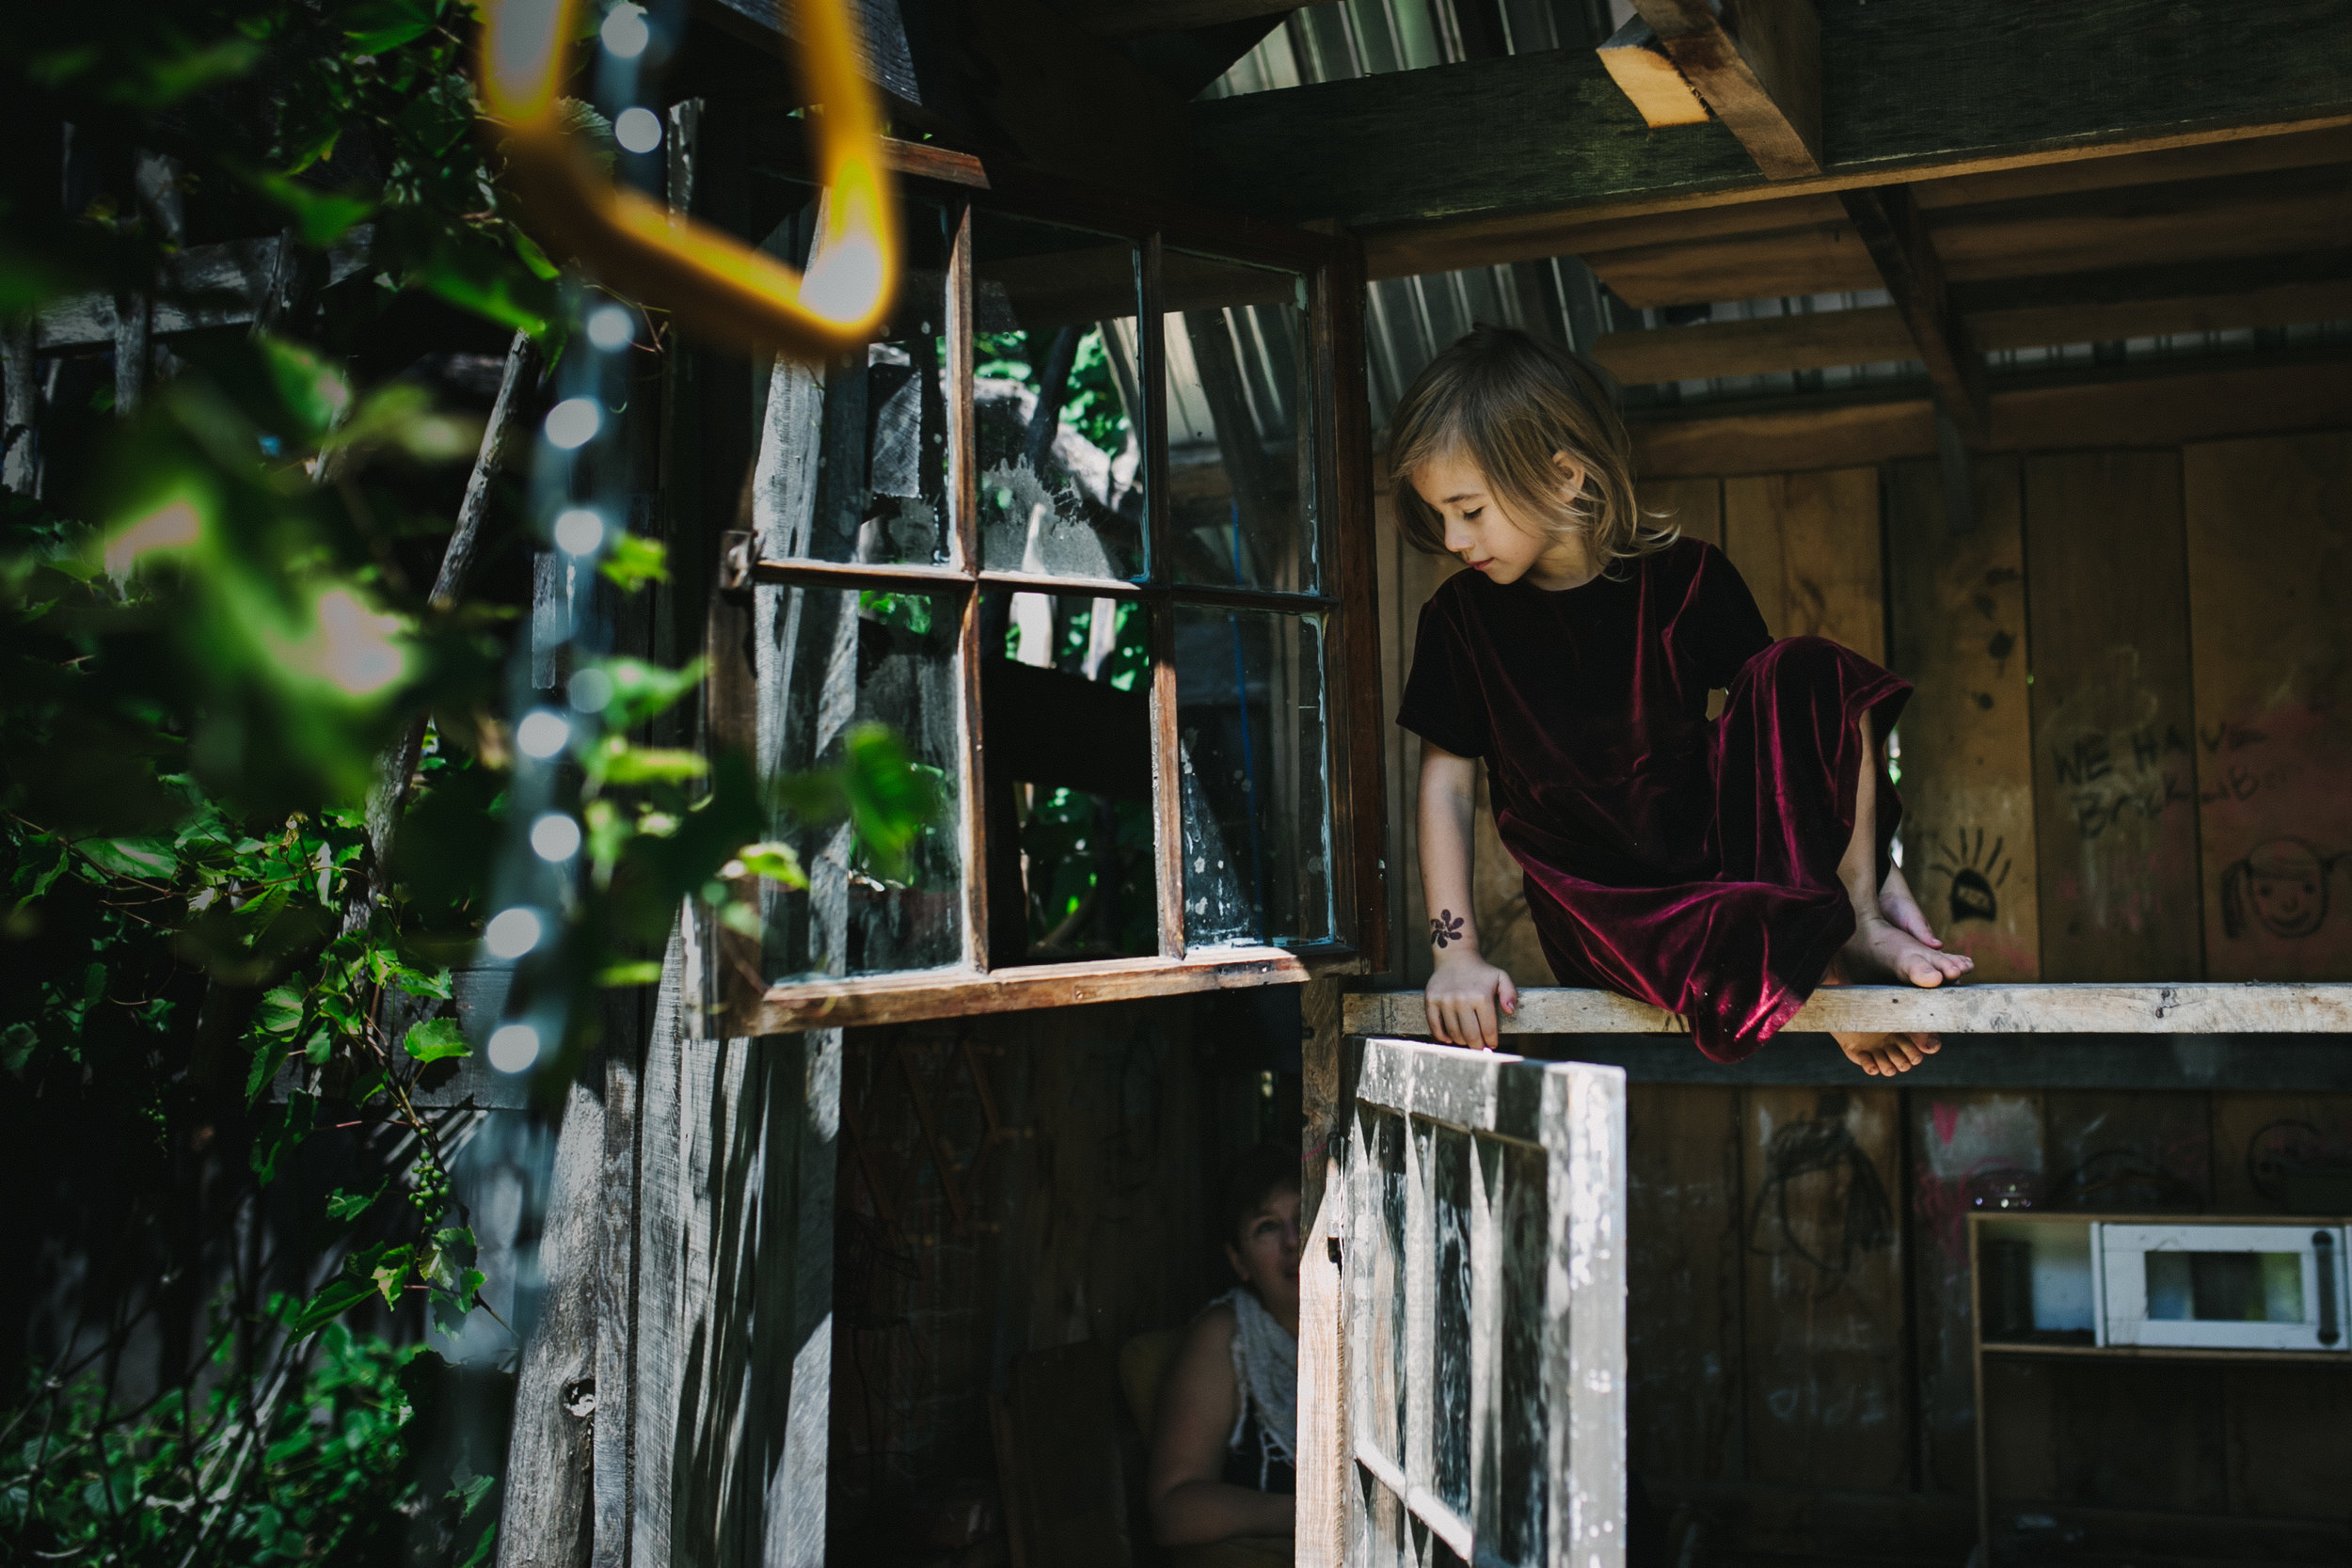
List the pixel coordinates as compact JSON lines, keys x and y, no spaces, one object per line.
{"x":1443,"y":703}
{"x":1720,"y":629}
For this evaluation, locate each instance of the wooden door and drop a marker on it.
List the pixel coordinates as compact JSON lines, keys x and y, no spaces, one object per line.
{"x":1480,"y":1397}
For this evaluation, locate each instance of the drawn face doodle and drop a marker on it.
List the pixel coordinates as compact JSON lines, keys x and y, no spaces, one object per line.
{"x":2286,"y":887}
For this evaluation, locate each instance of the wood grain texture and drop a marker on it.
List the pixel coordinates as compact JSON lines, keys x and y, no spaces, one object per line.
{"x":2212,"y":1008}
{"x":1758,"y":67}
{"x":2116,"y":1151}
{"x":1906,"y":92}
{"x":1825,"y":1398}
{"x":547,"y":1506}
{"x":2155,"y":410}
{"x":1360,"y":799}
{"x":1958,"y":633}
{"x":2283,"y":213}
{"x":1876,"y":334}
{"x":2270,"y":616}
{"x":1808,"y":545}
{"x":1961,"y":1145}
{"x":1693,"y":506}
{"x":1648,"y":77}
{"x":1888,"y":220}
{"x":1684,"y":1352}
{"x":1323,"y":1445}
{"x":2114,"y":778}
{"x":2273,"y":1153}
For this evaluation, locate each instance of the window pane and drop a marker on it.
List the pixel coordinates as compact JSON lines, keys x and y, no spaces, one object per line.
{"x":830,"y":661}
{"x":1240,"y":423}
{"x":1056,"y":400}
{"x":853,"y":458}
{"x":1249,"y":717}
{"x":1065,"y":693}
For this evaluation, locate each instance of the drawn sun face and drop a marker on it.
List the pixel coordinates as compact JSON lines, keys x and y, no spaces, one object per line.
{"x":1978,"y":870}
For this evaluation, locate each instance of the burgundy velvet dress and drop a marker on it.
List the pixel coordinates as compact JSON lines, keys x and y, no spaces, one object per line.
{"x":1687,"y":864}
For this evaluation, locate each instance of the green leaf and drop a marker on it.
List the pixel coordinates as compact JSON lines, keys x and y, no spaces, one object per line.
{"x":279,"y":1012}
{"x":437,"y":1040}
{"x":642,"y":972}
{"x":778,"y":863}
{"x":387,"y":1269}
{"x":401,"y":416}
{"x":468,"y":1494}
{"x":634,"y":560}
{"x":313,"y":392}
{"x":321,"y":217}
{"x":642,"y":691}
{"x":347,"y":1206}
{"x":379,"y":26}
{"x":268,"y":1059}
{"x":18,"y":1041}
{"x":150,"y":858}
{"x":337,"y":1297}
{"x":489,"y":287}
{"x":615,"y":760}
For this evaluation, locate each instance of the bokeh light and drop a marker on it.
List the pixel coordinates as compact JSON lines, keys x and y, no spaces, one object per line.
{"x":611,"y":326}
{"x":543,"y":734}
{"x":625,"y":33}
{"x":574,"y":422}
{"x":555,"y":837}
{"x":512,"y":933}
{"x":637,"y":130}
{"x":579,"y":531}
{"x":514,"y":1047}
{"x":591,"y":691}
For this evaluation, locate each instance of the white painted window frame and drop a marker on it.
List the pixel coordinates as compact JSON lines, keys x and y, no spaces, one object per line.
{"x":2121,"y":1252}
{"x":1537,"y":1146}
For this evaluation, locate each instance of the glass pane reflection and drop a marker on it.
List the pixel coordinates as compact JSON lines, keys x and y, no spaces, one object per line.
{"x":853,"y":456}
{"x":1250,"y":728}
{"x":1240,"y":456}
{"x":1065,"y":698}
{"x":1056,"y":401}
{"x":829,"y":660}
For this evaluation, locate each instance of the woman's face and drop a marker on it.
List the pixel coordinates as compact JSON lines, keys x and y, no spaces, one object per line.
{"x":1265,"y":1251}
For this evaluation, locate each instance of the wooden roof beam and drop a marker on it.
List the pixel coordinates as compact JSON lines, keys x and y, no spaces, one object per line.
{"x":1888,"y":220}
{"x":1497,"y":160}
{"x":1757,"y":66}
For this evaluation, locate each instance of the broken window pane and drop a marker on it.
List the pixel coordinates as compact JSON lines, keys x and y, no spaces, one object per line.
{"x":1240,"y":417}
{"x":1250,"y":727}
{"x":1066,"y":706}
{"x":853,"y":456}
{"x":833,"y":665}
{"x":1056,"y":407}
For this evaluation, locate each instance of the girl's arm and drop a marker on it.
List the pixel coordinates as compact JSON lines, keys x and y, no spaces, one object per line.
{"x":1467,"y":996}
{"x":1192,"y":1504}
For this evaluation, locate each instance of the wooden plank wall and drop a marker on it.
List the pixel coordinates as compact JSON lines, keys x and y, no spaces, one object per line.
{"x":2129,"y":756}
{"x":1080,"y":1216}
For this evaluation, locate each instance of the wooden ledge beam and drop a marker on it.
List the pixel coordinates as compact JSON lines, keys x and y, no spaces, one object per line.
{"x":2199,"y":1008}
{"x":1757,"y":66}
{"x":1495,"y":160}
{"x":1888,"y":222}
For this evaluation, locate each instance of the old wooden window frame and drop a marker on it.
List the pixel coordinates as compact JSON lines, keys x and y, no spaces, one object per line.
{"x":1332,"y":269}
{"x":1481,"y":1232}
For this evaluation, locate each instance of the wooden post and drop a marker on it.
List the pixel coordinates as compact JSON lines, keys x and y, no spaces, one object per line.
{"x":544,"y":1519}
{"x":1321,"y":1530}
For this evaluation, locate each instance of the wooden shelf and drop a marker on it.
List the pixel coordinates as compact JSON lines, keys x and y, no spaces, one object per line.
{"x":2251,"y":1007}
{"x":2028,"y":1351}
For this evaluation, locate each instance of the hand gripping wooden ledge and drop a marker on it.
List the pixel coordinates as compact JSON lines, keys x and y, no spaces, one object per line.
{"x":2254,"y":1008}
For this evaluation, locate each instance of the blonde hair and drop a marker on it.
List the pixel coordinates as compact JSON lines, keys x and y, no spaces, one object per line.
{"x":1508,"y":402}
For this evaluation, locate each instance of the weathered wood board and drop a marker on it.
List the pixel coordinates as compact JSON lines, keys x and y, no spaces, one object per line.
{"x":2114,"y":826}
{"x":2274,"y":1151}
{"x":2215,"y":1009}
{"x":1808,"y":545}
{"x":1693,"y":506}
{"x":1684,"y":1350}
{"x":1958,"y":633}
{"x":2270,"y":614}
{"x":1966,"y":1146}
{"x":1825,"y":1328}
{"x":2119,"y":1150}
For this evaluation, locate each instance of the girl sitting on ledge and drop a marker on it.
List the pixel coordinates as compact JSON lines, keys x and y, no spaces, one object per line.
{"x":1714,"y":869}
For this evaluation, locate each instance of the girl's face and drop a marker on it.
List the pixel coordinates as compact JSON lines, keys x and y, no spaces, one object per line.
{"x":1483,"y":534}
{"x":1265,"y":1253}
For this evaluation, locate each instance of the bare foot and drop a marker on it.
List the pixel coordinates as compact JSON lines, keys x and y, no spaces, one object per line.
{"x":1878,"y":947}
{"x":1885,"y":1055}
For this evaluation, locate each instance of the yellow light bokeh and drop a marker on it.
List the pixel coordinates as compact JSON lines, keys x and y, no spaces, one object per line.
{"x":710,"y":282}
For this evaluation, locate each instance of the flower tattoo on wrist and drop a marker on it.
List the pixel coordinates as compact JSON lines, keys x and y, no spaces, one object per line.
{"x":1445,"y":927}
